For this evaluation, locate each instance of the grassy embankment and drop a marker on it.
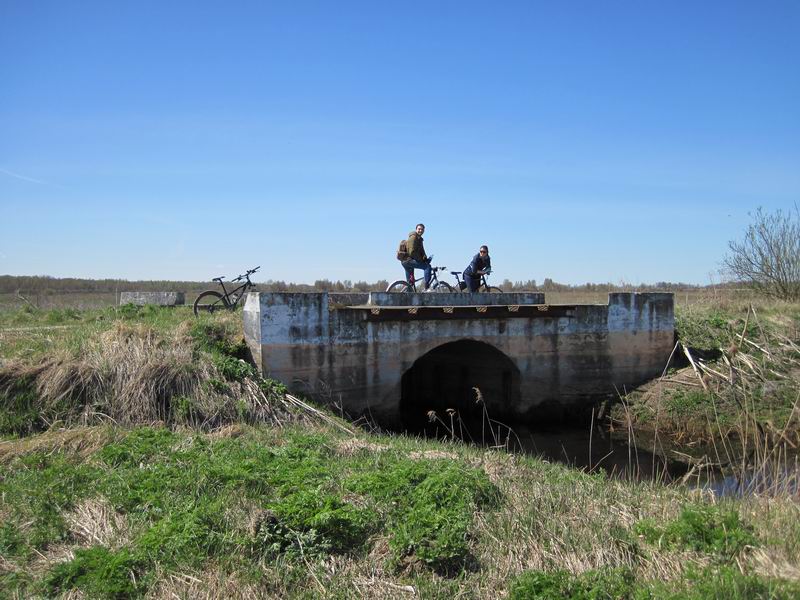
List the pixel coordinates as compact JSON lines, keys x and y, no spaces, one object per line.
{"x":739,"y":402}
{"x":234,"y":490}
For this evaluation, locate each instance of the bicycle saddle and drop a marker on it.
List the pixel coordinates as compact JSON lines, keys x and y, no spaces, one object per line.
{"x":218,"y":278}
{"x":455,"y":272}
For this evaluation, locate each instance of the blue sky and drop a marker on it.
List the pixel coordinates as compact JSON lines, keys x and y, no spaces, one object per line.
{"x":582,"y":141}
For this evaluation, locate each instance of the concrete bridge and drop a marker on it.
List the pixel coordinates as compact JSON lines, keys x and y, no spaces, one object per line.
{"x":394,"y":357}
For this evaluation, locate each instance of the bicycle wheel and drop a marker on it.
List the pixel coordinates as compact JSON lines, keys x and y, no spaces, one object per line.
{"x":399,"y":286}
{"x":443,"y":288}
{"x":493,"y":289}
{"x":209,"y":302}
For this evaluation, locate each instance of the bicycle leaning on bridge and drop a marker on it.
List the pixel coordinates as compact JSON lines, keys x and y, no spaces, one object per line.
{"x":212,"y":301}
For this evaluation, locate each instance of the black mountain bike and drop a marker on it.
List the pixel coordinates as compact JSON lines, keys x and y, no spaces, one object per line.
{"x":402,"y":285}
{"x":483,"y":287}
{"x":212,"y":301}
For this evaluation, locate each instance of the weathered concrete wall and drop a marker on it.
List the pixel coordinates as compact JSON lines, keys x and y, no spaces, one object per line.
{"x":157,"y":298}
{"x":357,"y":355}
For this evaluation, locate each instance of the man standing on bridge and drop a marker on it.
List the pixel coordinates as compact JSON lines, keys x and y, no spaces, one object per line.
{"x":417,"y":258}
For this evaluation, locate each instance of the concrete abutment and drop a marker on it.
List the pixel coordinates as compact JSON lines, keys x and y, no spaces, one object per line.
{"x":388,"y":356}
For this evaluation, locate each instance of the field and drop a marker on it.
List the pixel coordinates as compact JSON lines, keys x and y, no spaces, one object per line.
{"x":143,"y":457}
{"x":47,"y":293}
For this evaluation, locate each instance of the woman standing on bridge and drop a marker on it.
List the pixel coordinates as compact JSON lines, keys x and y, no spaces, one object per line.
{"x":480,"y":265}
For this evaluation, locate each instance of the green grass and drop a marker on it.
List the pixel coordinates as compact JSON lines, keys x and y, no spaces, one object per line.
{"x":703,"y":528}
{"x":292,"y":510}
{"x":431,"y":507}
{"x":175,"y":492}
{"x":30,"y":334}
{"x":607,"y":584}
{"x":724,"y":583}
{"x":304,"y":511}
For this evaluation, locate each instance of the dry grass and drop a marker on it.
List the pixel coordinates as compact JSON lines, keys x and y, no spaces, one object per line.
{"x":210,"y":583}
{"x":134,"y":374}
{"x":78,"y":441}
{"x":354,"y":445}
{"x":95,"y":522}
{"x":738,"y":408}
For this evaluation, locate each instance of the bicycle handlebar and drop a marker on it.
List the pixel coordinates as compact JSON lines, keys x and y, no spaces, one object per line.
{"x":247,"y":275}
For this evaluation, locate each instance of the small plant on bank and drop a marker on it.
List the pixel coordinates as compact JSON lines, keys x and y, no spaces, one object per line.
{"x":98,"y":572}
{"x":432,"y":503}
{"x":723,"y":582}
{"x":703,"y":528}
{"x":19,"y":412}
{"x":605,"y":584}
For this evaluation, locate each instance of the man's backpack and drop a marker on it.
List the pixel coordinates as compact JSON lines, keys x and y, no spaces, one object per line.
{"x":402,"y":250}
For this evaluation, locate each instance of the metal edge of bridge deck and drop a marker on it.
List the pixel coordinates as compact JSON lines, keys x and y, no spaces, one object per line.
{"x":470,"y":311}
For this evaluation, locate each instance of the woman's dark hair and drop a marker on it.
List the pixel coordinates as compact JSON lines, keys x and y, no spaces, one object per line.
{"x":485,"y":248}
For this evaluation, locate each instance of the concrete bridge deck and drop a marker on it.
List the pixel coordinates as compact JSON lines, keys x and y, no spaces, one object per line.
{"x":394,"y":357}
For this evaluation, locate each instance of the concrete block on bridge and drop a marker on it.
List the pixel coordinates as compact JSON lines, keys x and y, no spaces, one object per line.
{"x":155,"y":298}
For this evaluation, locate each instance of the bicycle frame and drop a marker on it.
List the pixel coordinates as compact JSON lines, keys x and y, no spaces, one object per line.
{"x":233,"y":294}
{"x":413,"y":282}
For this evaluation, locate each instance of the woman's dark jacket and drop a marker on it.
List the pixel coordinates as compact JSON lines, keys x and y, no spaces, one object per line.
{"x":478,"y":263}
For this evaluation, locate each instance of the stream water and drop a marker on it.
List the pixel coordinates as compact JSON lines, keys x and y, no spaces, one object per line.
{"x":592,"y":450}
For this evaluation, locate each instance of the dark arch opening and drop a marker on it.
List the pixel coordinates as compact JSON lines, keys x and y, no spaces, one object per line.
{"x":445,"y":379}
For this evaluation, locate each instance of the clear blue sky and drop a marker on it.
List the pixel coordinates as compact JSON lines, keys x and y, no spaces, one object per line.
{"x":582,"y":141}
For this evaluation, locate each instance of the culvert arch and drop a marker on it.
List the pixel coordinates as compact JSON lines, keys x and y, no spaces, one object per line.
{"x":444,"y":380}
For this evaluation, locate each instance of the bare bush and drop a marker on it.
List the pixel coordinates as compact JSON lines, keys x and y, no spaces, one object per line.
{"x":768,"y":257}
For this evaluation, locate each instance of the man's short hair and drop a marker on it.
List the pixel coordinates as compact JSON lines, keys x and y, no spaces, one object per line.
{"x":420,"y":225}
{"x":485,"y":248}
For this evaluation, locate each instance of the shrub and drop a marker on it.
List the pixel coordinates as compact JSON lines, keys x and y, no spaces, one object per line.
{"x":272,"y":386}
{"x":216,"y":336}
{"x":185,"y":536}
{"x":99,"y":572}
{"x":234,"y":369}
{"x":19,"y":411}
{"x":768,"y":257}
{"x":603,"y":584}
{"x":430,"y":505}
{"x":705,"y":330}
{"x":722,"y":583}
{"x":328,"y":523}
{"x":128,"y":311}
{"x":704,"y":528}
